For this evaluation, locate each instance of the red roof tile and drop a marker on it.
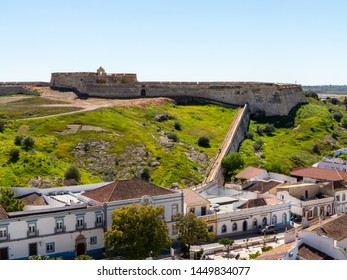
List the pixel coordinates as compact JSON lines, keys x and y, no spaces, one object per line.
{"x":309,"y":253}
{"x":126,"y":189}
{"x":277,"y":253}
{"x":334,"y":228}
{"x":192,"y":198}
{"x":33,"y":199}
{"x":249,"y":173}
{"x":318,"y":173}
{"x":263,"y":187}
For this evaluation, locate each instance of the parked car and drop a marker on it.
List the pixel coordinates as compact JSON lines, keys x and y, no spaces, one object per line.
{"x":267,"y":229}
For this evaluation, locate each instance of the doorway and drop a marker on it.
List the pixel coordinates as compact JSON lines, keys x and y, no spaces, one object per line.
{"x":33,"y":249}
{"x":143,"y":92}
{"x":3,"y":253}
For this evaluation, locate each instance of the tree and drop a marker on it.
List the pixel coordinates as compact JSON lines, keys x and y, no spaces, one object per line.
{"x":258,"y":145}
{"x":137,"y":232}
{"x":204,"y":141}
{"x":8,"y":202}
{"x":344,"y":122}
{"x":28,"y":143}
{"x":337,"y":116}
{"x":13,"y":155}
{"x":227,"y":243}
{"x":177,"y":126}
{"x":315,"y":149}
{"x":269,"y":129}
{"x":73,"y":173}
{"x":191,"y":231}
{"x":18,"y":140}
{"x":172,"y":136}
{"x":232,"y":162}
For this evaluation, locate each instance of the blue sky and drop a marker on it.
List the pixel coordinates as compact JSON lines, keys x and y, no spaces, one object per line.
{"x":234,"y":40}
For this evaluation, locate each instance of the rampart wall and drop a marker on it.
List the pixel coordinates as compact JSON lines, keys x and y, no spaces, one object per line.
{"x":273,"y":99}
{"x":13,"y":89}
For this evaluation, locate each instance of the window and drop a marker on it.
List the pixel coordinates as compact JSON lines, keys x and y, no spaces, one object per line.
{"x":264,"y":223}
{"x":203,"y":210}
{"x":224,"y":228}
{"x":234,"y":226}
{"x":99,"y":220}
{"x":174,"y":210}
{"x":284,"y":218}
{"x":32,"y":229}
{"x":59,"y":225}
{"x":338,"y":198}
{"x":255,"y":223}
{"x":343,"y":197}
{"x":80,"y":222}
{"x":93,"y":240}
{"x":192,"y":210}
{"x":50,"y":247}
{"x":210,"y":229}
{"x":3,"y":233}
{"x":274,"y":219}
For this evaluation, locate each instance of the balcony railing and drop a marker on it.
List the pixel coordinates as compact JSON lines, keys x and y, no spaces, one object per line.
{"x":99,"y":224}
{"x":83,"y":226}
{"x":58,"y":230}
{"x":5,"y":238}
{"x":33,"y":233}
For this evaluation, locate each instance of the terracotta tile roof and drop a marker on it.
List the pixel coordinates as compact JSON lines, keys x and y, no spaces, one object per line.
{"x":126,"y":189}
{"x":263,"y":187}
{"x":318,"y":173}
{"x":309,"y":253}
{"x":249,"y":173}
{"x":277,"y":253}
{"x":3,"y":213}
{"x":192,"y":198}
{"x":253,"y":203}
{"x":334,"y":227}
{"x":273,"y":200}
{"x":33,"y":199}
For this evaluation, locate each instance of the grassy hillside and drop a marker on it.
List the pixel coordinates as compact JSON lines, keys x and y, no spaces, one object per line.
{"x":114,"y":143}
{"x":300,"y":139}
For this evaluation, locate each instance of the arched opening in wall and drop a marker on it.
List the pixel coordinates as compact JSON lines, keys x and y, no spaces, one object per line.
{"x":244,"y":226}
{"x":143,"y":92}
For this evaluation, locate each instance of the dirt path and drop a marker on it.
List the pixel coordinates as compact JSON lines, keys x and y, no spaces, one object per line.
{"x":7,"y":99}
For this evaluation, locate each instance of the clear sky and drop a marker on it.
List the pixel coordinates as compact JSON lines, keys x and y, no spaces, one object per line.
{"x":172,"y":40}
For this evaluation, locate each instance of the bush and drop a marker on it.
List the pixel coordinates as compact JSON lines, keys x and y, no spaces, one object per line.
{"x":344,"y":122}
{"x":250,"y":135}
{"x":232,"y":162}
{"x":204,"y":141}
{"x":269,"y":129}
{"x":259,"y":130}
{"x":276,"y":168}
{"x":72,"y":173}
{"x":315,"y":149}
{"x":2,"y":125}
{"x":145,"y":174}
{"x":14,"y":155}
{"x":172,"y":136}
{"x":177,"y":126}
{"x":257,"y":146}
{"x":18,"y":140}
{"x":28,"y":143}
{"x":337,"y":116}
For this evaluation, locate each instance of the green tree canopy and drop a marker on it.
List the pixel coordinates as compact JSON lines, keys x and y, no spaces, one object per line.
{"x":192,"y":230}
{"x":137,"y":232}
{"x":72,"y":173}
{"x":8,"y":202}
{"x":227,"y":243}
{"x":232,"y":162}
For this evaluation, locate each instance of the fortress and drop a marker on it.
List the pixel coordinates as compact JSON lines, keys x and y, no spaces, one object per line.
{"x":273,"y":99}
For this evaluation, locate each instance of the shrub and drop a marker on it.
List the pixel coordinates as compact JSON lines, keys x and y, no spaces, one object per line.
{"x":344,"y":122}
{"x":259,"y":130}
{"x":257,"y":146}
{"x":177,"y":126}
{"x":204,"y":141}
{"x":250,"y":135}
{"x":72,"y":173}
{"x":337,"y":116}
{"x":145,"y":174}
{"x":28,"y":143}
{"x":335,"y":135}
{"x":172,"y":136}
{"x":269,"y":129}
{"x":18,"y":140}
{"x":2,"y":125}
{"x":276,"y":168}
{"x":14,"y":155}
{"x":232,"y":162}
{"x":315,"y":149}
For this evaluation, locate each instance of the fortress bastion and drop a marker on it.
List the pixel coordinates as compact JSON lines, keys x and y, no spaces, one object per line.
{"x":272,"y":98}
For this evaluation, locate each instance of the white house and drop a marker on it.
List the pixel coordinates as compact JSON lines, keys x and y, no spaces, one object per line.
{"x":241,"y":212}
{"x":53,"y":223}
{"x":70,"y":221}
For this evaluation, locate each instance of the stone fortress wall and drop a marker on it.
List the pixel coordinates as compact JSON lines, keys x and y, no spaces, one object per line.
{"x":273,"y":99}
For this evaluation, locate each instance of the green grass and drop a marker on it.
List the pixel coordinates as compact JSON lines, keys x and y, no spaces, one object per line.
{"x":123,"y":127}
{"x":32,"y":107}
{"x":291,"y":144}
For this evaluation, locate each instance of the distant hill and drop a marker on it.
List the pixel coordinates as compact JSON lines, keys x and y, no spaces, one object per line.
{"x":327,"y":89}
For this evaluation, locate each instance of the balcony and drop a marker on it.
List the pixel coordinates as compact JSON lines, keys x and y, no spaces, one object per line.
{"x":81,"y":226}
{"x":59,"y":230}
{"x":5,"y":238}
{"x":99,"y":224}
{"x":32,"y":233}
